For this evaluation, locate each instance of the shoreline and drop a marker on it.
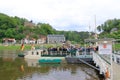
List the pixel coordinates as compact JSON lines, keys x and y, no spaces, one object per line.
{"x":26,"y":46}
{"x":116,"y":47}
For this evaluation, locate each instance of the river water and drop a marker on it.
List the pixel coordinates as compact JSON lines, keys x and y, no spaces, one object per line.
{"x":13,"y":67}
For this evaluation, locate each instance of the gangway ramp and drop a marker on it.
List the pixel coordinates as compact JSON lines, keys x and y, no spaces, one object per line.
{"x":104,"y":65}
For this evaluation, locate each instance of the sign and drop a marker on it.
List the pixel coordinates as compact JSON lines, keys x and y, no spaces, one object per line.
{"x":105,"y":47}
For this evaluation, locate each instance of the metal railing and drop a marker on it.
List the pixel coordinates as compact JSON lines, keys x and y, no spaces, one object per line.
{"x":116,"y":57}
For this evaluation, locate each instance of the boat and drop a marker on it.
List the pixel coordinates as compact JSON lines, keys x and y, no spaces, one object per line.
{"x":21,"y":55}
{"x":45,"y":56}
{"x":50,"y":60}
{"x":79,"y":57}
{"x":35,"y":63}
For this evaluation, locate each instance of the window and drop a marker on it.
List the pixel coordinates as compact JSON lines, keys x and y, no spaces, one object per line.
{"x":37,"y":53}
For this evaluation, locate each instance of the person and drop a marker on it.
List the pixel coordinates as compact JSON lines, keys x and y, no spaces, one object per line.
{"x":32,"y":47}
{"x":97,"y":48}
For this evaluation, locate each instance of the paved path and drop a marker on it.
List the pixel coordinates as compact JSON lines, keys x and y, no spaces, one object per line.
{"x":115,"y":68}
{"x":116,"y":71}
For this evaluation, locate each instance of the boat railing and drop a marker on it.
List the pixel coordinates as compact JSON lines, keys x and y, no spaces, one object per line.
{"x":85,"y":53}
{"x":80,"y":53}
{"x":55,"y":53}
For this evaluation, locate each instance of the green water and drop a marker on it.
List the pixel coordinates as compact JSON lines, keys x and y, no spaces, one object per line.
{"x":10,"y":69}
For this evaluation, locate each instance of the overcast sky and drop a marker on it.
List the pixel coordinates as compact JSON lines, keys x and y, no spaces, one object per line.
{"x":75,"y":15}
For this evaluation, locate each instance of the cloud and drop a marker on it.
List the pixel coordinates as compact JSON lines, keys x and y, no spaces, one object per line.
{"x":63,"y":14}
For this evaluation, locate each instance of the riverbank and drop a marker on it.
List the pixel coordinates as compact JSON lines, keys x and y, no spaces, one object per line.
{"x":26,"y":46}
{"x":13,"y":47}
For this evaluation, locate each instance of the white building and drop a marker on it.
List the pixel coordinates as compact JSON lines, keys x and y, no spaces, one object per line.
{"x":9,"y":41}
{"x":28,"y":41}
{"x":41,"y":40}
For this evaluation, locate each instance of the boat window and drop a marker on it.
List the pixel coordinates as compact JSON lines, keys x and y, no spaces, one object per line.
{"x":32,"y":53}
{"x":37,"y":53}
{"x":41,"y":52}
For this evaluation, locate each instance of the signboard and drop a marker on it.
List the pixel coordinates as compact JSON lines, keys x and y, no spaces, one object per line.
{"x":105,"y":47}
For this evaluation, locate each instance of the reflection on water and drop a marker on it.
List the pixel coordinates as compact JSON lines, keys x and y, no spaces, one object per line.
{"x":10,"y":69}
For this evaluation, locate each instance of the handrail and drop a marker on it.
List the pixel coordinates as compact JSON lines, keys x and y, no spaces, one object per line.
{"x":102,"y":63}
{"x":104,"y":59}
{"x":89,"y":64}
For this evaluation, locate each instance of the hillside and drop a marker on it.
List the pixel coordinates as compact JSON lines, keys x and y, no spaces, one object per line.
{"x":110,"y":29}
{"x":19,"y":28}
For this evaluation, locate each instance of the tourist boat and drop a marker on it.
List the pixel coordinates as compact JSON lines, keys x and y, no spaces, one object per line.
{"x":79,"y":57}
{"x":43,"y":56}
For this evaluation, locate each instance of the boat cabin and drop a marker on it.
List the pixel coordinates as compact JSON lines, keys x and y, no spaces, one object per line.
{"x":34,"y":54}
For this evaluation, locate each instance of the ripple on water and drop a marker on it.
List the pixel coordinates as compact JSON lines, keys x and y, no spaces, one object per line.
{"x":71,"y":72}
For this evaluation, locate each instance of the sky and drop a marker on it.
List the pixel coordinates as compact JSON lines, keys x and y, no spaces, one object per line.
{"x":67,"y":15}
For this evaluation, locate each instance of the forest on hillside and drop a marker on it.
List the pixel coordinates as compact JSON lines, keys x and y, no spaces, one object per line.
{"x":19,"y":28}
{"x":110,"y":29}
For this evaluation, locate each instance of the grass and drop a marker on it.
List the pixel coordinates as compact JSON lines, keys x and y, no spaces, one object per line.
{"x":26,"y":46}
{"x":117,"y":47}
{"x":13,"y":47}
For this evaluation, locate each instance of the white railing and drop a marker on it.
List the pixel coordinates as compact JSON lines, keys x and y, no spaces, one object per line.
{"x":103,"y":64}
{"x":116,"y":57}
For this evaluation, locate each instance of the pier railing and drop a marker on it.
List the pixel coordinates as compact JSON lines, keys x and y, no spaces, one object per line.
{"x":103,"y":64}
{"x":116,"y":57}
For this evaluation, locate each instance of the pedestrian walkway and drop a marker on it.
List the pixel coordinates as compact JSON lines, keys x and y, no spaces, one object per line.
{"x":103,"y":64}
{"x":102,"y":59}
{"x":116,"y":71}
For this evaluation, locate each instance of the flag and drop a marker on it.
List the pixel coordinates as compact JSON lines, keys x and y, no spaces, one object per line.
{"x":22,"y":47}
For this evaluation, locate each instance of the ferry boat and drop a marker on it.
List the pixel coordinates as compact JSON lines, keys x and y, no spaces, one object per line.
{"x":79,"y":57}
{"x":44,"y":56}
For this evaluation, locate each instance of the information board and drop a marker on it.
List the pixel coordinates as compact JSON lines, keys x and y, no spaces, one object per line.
{"x":105,"y":47}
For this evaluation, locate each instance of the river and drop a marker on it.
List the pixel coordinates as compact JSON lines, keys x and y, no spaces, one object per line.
{"x":13,"y":67}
